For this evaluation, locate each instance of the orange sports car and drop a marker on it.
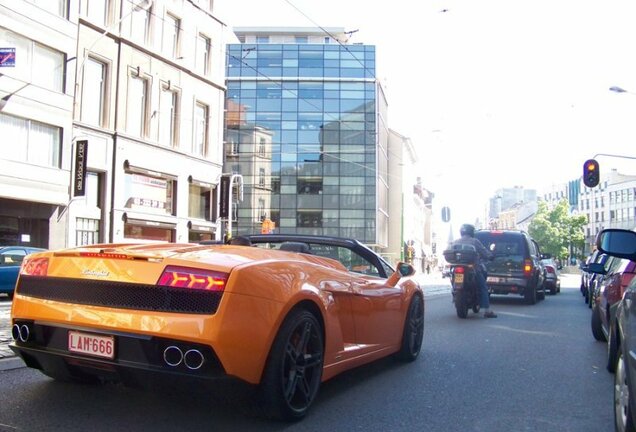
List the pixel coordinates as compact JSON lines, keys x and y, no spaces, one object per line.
{"x":282,"y":312}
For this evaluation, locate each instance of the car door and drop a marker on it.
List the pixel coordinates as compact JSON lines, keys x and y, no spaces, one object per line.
{"x":628,"y":327}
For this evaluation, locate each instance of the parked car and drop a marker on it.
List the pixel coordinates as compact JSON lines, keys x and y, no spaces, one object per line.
{"x":596,"y":278}
{"x":283,"y":313}
{"x":614,"y":278}
{"x":585,"y":275}
{"x":517,"y":267}
{"x":10,"y":260}
{"x":552,"y":275}
{"x":622,"y":335}
{"x":446,"y":270}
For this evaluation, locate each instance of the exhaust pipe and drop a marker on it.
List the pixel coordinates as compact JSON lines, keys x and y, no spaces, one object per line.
{"x":173,"y":356}
{"x":20,"y":332}
{"x":193,"y":359}
{"x":15,"y":332}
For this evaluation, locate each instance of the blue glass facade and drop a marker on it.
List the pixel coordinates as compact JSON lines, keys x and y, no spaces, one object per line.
{"x":302,"y":129}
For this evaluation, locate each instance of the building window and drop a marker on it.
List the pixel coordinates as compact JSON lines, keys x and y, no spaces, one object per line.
{"x":199,"y":202}
{"x":168,"y":115}
{"x":261,"y":146}
{"x":33,"y":142}
{"x":57,"y":7}
{"x":136,"y":118}
{"x":86,"y":232}
{"x":302,"y":39}
{"x":142,"y":230}
{"x":171,"y":36}
{"x":204,"y":46}
{"x":262,"y":39}
{"x":139,"y":23}
{"x":200,"y":129}
{"x":96,"y":11}
{"x":93,"y":92}
{"x":261,"y":177}
{"x":150,"y":194}
{"x":309,"y":219}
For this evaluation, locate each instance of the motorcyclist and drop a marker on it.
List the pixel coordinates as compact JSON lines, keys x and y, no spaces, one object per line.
{"x":467,"y":233}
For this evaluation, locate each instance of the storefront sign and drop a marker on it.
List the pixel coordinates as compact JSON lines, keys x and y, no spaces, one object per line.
{"x":7,"y":57}
{"x":79,"y":168}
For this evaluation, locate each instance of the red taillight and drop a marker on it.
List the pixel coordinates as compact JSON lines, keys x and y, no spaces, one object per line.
{"x":459,"y":269}
{"x":527,"y":267}
{"x":185,"y":277}
{"x":35,"y":266}
{"x":550,"y":270}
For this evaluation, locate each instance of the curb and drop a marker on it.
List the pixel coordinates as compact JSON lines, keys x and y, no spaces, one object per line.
{"x":10,"y":363}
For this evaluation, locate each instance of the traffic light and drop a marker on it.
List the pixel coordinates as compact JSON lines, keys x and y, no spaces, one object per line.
{"x":591,"y":174}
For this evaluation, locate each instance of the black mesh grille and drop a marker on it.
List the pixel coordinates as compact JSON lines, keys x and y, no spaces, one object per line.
{"x":120,"y":295}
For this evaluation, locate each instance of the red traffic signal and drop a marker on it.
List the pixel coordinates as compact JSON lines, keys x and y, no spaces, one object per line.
{"x":591,"y":173}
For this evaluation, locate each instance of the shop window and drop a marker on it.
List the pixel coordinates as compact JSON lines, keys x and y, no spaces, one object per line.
{"x":147,"y":230}
{"x":199,"y":203}
{"x":87,"y":231}
{"x":150,"y":194}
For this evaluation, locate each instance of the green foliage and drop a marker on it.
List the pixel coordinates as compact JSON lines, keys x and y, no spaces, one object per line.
{"x":555,"y":230}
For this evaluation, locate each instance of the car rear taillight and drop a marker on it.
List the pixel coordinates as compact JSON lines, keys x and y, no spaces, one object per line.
{"x":459,"y":269}
{"x":527,"y":268}
{"x":186,"y":277}
{"x":549,"y":269}
{"x":34,"y":266}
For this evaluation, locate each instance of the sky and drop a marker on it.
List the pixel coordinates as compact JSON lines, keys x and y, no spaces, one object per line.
{"x":492,"y":93}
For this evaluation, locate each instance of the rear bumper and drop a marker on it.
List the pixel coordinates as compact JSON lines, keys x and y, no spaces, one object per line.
{"x":138,"y":359}
{"x":498,"y":284}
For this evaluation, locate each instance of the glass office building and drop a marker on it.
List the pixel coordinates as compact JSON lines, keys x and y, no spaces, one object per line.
{"x":306,"y":128}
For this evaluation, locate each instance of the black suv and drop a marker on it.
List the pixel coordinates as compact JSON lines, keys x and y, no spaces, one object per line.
{"x":517,"y":267}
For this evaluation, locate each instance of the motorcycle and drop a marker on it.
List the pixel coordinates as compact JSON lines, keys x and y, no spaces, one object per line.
{"x":464,"y":286}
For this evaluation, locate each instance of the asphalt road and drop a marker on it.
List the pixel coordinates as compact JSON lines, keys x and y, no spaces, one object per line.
{"x":534,"y":368}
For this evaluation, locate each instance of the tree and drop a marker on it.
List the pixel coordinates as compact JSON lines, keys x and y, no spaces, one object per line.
{"x":556,"y":230}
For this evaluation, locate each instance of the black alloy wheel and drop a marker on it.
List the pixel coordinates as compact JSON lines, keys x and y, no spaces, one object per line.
{"x":294,"y":367}
{"x":413,"y":333}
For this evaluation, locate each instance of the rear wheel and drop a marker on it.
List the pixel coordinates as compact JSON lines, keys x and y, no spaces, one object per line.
{"x":530,"y":295}
{"x":413,"y":330}
{"x":597,"y":326}
{"x":294,"y":368}
{"x":461,"y":307}
{"x":623,"y":420}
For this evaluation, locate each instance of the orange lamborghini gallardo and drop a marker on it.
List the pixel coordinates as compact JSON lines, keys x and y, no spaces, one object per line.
{"x":282,"y":312}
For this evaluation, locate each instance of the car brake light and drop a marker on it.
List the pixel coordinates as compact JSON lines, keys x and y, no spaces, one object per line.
{"x":459,"y":269}
{"x":549,"y":270}
{"x":185,"y":277}
{"x":104,"y":255}
{"x":35,"y":266}
{"x":527,"y":267}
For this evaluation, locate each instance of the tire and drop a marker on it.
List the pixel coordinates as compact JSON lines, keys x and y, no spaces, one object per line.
{"x":612,"y":349}
{"x":462,"y":308}
{"x":530,"y":295}
{"x":296,"y":357}
{"x":597,"y":329}
{"x":10,"y":295}
{"x":413,"y":332}
{"x":623,"y":420}
{"x":553,"y":289}
{"x":476,"y":308}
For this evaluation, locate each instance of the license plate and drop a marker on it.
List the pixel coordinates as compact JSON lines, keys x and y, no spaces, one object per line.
{"x":95,"y":345}
{"x":494,"y":279}
{"x":458,"y":278}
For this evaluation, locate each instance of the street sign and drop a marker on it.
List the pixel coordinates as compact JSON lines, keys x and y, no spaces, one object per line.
{"x":79,"y":168}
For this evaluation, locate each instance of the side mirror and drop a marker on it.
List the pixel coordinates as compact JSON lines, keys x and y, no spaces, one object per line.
{"x":403,"y":269}
{"x":596,"y":268}
{"x":617,"y":242}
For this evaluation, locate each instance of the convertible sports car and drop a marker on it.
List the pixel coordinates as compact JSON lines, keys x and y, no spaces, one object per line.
{"x":280,"y":312}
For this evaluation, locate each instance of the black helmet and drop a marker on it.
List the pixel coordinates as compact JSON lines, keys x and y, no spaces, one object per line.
{"x":467,"y":229}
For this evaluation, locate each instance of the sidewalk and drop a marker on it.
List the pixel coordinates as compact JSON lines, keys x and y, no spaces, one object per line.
{"x":8,"y":359}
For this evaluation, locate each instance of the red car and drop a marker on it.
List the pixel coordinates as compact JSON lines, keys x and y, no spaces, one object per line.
{"x":609,"y":291}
